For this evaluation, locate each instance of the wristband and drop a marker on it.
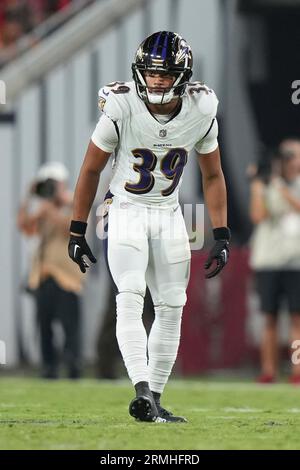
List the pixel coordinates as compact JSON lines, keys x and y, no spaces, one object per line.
{"x":78,"y":227}
{"x":222,"y":233}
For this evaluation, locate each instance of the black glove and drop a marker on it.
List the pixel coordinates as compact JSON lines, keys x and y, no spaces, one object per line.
{"x":219,"y":252}
{"x":78,"y":246}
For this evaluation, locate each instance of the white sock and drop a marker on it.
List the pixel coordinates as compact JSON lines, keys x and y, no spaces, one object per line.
{"x":131,"y":335}
{"x":163,"y":345}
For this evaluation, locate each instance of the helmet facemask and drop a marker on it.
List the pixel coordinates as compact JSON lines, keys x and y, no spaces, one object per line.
{"x":171,"y":93}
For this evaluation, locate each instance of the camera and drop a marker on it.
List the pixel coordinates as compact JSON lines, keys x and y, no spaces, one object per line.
{"x":264,"y":169}
{"x":46,"y":189}
{"x":265,"y":166}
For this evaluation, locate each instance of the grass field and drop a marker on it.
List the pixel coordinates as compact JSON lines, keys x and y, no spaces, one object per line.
{"x":88,"y":414}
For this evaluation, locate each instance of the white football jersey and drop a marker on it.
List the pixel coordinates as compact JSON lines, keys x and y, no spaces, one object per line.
{"x":149,"y":155}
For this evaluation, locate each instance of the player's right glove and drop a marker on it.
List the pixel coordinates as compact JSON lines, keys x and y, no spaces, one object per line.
{"x":219,"y":252}
{"x":78,"y":247}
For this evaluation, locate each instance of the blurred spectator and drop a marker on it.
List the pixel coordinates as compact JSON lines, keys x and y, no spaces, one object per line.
{"x":292,"y":147}
{"x":54,"y":280}
{"x":38,"y":13}
{"x":19,"y":17}
{"x":275,"y":250}
{"x":12,"y":31}
{"x":15,"y":20}
{"x":51,"y":6}
{"x":20,"y":12}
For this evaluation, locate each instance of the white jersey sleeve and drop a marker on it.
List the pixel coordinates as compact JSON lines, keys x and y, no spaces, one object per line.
{"x":209,"y":142}
{"x":208,"y":105}
{"x":107,"y":132}
{"x":105,"y":135}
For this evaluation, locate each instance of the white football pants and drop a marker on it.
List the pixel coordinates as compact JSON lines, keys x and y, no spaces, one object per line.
{"x":148,"y":246}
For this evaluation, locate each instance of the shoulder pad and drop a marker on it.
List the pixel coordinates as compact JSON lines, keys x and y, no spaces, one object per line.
{"x":204,"y":98}
{"x":108,"y":92}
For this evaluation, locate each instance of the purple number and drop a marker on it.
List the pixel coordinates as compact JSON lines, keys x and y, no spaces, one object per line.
{"x":148,"y":164}
{"x":118,"y":87}
{"x":196,"y":87}
{"x":172,"y":166}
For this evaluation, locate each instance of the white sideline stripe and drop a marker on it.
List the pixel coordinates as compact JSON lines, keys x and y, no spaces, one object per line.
{"x":237,"y":410}
{"x":227,"y":410}
{"x":61,"y":446}
{"x":201,"y":410}
{"x":242,"y":410}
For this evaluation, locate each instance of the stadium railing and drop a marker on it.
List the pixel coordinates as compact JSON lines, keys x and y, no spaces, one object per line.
{"x":36,"y":62}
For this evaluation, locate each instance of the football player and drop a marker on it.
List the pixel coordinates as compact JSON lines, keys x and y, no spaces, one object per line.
{"x":150,"y":125}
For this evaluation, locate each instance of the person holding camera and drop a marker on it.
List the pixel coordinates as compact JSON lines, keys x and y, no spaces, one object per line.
{"x":53,"y":278}
{"x":275,"y":250}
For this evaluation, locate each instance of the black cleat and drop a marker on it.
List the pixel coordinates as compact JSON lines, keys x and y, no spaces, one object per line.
{"x":165,"y":416}
{"x":143,"y":408}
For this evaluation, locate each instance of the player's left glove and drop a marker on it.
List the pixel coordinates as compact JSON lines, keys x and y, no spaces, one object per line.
{"x":219,"y":252}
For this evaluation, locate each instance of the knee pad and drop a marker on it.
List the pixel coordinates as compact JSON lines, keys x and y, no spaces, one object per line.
{"x":129,"y":306}
{"x":166,"y":311}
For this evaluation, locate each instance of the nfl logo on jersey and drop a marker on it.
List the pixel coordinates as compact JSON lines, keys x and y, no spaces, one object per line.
{"x":162,"y":133}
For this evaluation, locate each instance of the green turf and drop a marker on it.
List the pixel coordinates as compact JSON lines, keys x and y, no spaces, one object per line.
{"x":88,"y":414}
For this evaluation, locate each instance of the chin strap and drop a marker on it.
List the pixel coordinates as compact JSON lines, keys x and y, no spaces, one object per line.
{"x":165,"y":98}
